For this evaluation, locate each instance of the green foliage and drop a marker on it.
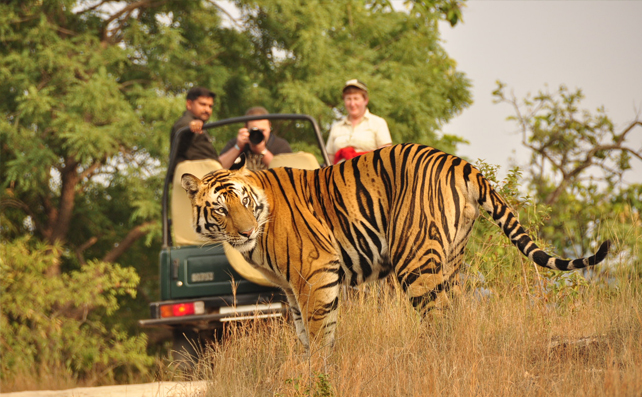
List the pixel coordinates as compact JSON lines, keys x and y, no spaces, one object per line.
{"x":493,"y":260}
{"x":53,"y":323}
{"x":566,"y":286}
{"x":490,"y":252}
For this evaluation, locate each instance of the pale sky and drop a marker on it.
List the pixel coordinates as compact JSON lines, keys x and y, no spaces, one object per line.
{"x":592,"y":45}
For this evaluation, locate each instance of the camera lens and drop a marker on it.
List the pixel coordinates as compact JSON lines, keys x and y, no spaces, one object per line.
{"x":256,"y":136}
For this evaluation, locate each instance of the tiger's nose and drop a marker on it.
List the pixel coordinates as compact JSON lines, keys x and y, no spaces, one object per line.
{"x":247,"y":233}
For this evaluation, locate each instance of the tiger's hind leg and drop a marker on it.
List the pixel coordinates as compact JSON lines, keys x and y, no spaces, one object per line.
{"x":437,"y":299}
{"x":430,"y":292}
{"x":430,"y":281}
{"x":434,"y":282}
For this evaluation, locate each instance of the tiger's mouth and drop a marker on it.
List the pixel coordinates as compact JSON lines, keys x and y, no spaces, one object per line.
{"x":243,"y":246}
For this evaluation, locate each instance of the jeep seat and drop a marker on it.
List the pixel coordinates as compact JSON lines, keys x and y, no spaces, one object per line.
{"x":301,"y":160}
{"x":184,"y":233}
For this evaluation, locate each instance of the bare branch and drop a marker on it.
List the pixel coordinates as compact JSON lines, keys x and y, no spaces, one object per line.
{"x":70,"y":179}
{"x":90,"y":170}
{"x":633,"y":152}
{"x":93,"y":7}
{"x":544,"y":154}
{"x":83,"y":247}
{"x":112,"y":32}
{"x":130,"y":82}
{"x":15,"y":203}
{"x":221,"y":9}
{"x":66,"y":31}
{"x":628,"y":129}
{"x":126,"y":12}
{"x":133,"y":235}
{"x":129,"y":8}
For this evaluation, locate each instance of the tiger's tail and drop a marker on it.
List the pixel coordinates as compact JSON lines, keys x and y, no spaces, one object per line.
{"x":497,"y":207}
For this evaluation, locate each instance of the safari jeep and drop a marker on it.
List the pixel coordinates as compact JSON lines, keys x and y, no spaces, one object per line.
{"x":204,"y":286}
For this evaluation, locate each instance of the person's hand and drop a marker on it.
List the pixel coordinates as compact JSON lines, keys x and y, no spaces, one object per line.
{"x":243,"y":138}
{"x":196,"y":126}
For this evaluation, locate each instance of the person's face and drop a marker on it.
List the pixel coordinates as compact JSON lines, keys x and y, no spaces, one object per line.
{"x":261,"y":125}
{"x":355,"y":104}
{"x":201,"y":107}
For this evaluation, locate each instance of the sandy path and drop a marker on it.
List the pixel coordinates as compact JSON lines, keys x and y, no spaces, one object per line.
{"x":157,"y":389}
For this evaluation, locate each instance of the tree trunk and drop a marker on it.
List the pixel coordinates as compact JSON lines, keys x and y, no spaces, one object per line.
{"x":70,"y":179}
{"x":59,"y":224}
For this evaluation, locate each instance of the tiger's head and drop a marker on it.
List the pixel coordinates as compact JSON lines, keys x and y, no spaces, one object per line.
{"x":226,"y":208}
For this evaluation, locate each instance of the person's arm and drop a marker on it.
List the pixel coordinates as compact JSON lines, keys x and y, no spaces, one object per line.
{"x":267,"y":157}
{"x":382,"y":134}
{"x":276,"y":146}
{"x":329,"y":146}
{"x":231,"y":152}
{"x":228,"y":157}
{"x":185,"y":138}
{"x":195,"y":125}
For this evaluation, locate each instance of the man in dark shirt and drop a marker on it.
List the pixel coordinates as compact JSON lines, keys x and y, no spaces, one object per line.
{"x":257,"y":155}
{"x":195,"y":144}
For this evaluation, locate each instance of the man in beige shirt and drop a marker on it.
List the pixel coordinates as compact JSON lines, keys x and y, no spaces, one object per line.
{"x":360,"y":131}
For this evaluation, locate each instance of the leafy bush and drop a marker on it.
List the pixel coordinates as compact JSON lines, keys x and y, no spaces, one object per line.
{"x":493,"y":260}
{"x":57,"y":323}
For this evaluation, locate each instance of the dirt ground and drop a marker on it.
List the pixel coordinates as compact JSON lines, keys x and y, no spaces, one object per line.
{"x":157,"y":389}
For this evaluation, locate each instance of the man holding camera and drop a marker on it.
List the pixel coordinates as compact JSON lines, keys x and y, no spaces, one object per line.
{"x":256,"y":141}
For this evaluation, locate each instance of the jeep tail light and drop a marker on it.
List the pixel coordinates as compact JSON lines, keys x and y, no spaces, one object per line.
{"x":182,"y":309}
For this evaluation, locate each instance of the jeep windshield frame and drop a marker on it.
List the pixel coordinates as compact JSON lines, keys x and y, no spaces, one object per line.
{"x":167,"y":240}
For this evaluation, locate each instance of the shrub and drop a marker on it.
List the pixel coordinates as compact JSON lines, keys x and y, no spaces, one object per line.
{"x":52,"y":326}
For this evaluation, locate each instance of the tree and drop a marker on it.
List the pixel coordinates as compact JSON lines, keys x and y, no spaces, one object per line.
{"x":91,"y":88}
{"x":566,"y":141}
{"x":88,"y":100}
{"x":578,"y":159}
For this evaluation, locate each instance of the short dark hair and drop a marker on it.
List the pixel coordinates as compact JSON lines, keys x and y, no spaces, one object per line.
{"x":256,"y":111}
{"x":197,"y":92}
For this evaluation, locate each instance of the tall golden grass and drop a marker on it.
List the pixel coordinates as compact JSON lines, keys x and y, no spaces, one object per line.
{"x":536,"y":333}
{"x":511,"y":343}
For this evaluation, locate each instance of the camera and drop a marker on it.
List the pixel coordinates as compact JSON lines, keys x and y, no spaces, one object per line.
{"x":256,"y":136}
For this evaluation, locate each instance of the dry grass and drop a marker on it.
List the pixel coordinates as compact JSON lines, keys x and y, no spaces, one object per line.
{"x":54,"y":378}
{"x":508,"y":344}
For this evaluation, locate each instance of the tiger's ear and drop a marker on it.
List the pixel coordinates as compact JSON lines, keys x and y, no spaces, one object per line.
{"x":239,"y":163}
{"x":191,"y":184}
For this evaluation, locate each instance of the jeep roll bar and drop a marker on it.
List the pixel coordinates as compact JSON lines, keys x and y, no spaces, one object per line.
{"x":167,"y":240}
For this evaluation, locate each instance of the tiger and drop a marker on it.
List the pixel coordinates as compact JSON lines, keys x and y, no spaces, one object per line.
{"x":406,"y":210}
